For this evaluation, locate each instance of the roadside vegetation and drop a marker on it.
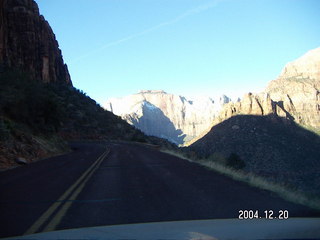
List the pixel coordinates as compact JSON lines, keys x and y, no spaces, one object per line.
{"x":28,"y":105}
{"x":233,"y":167}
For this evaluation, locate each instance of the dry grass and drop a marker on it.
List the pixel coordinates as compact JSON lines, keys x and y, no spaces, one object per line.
{"x":255,"y":181}
{"x":176,"y":154}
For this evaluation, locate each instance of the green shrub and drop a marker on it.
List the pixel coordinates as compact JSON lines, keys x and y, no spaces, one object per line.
{"x":217,"y":157}
{"x":235,"y":162}
{"x":4,"y":130}
{"x":30,"y":102}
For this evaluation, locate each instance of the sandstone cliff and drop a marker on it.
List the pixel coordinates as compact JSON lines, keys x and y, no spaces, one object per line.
{"x":27,"y":42}
{"x":295,"y":94}
{"x":166,"y":115}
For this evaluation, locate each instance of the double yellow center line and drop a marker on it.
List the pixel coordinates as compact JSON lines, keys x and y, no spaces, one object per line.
{"x":64,"y":202}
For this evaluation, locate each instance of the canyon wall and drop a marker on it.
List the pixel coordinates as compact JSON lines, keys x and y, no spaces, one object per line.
{"x":295,"y":94}
{"x":28,"y":43}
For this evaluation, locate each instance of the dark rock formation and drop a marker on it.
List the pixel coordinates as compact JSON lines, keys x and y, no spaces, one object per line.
{"x":270,"y":146}
{"x":28,"y":43}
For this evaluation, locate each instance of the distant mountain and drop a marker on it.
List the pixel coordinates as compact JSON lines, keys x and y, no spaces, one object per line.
{"x":165,"y":115}
{"x":295,"y":95}
{"x":297,"y":89}
{"x":305,"y":67}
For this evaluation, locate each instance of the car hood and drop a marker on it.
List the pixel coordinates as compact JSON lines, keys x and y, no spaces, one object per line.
{"x":294,"y":228}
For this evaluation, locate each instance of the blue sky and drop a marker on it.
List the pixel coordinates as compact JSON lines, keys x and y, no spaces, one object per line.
{"x":115,"y":48}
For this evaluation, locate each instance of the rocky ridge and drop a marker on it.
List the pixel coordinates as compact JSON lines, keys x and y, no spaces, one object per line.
{"x":28,"y":43}
{"x":167,"y":115}
{"x":295,"y":94}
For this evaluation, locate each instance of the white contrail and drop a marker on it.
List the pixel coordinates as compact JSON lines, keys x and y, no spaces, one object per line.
{"x":188,"y":13}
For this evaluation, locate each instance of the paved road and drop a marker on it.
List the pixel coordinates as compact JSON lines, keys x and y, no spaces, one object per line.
{"x":118,"y":183}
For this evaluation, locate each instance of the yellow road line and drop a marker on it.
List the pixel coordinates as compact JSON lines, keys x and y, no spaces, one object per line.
{"x":43,"y":218}
{"x":60,"y":214}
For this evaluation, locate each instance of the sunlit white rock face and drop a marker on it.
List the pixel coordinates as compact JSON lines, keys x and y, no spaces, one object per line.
{"x":307,"y":66}
{"x":295,"y":94}
{"x":298,"y":89}
{"x":166,"y":115}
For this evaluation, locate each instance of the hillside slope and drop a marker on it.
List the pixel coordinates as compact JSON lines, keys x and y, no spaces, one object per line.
{"x":273,"y":134}
{"x":269,"y":146}
{"x":39,"y":107}
{"x":36,"y":118}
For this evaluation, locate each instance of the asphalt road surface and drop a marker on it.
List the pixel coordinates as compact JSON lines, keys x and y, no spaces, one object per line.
{"x":120,"y":183}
